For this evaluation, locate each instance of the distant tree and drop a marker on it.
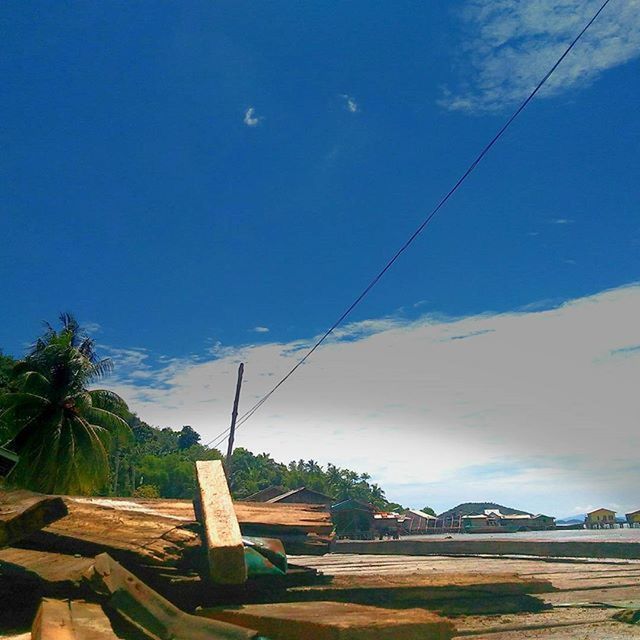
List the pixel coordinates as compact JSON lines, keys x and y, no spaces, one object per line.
{"x":428,"y":511}
{"x":171,"y":473}
{"x":146,"y":491}
{"x":60,"y":429}
{"x":188,"y":437}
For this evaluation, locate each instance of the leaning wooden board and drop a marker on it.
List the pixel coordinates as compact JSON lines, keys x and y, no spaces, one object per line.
{"x":222,"y":537}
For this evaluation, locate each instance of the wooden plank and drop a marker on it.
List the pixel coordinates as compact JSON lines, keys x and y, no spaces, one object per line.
{"x":131,"y":536}
{"x":222,"y":537}
{"x":432,"y":585}
{"x":54,"y":569}
{"x":23,"y":512}
{"x":71,"y":620}
{"x":335,"y":621}
{"x":148,"y":611}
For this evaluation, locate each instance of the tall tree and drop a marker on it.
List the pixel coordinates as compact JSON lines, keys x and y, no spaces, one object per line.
{"x":60,"y":429}
{"x":188,"y":437}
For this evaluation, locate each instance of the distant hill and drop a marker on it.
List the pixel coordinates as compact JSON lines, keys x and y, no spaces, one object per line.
{"x":471,"y":508}
{"x":577,"y":519}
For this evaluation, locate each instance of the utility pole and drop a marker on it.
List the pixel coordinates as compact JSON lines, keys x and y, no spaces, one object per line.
{"x":234,"y":416}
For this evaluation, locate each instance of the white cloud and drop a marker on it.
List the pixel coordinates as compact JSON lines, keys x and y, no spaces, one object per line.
{"x":537,"y":408}
{"x":350,"y":104}
{"x":133,"y":358}
{"x":561,"y":221}
{"x":250,"y":117}
{"x":91,"y":327}
{"x":511,"y":45}
{"x":260,"y":329}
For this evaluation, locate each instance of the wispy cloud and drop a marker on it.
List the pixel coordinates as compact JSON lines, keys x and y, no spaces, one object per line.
{"x":260,"y":329}
{"x":91,"y":327}
{"x":549,"y":393}
{"x":251,"y":119}
{"x":561,"y":221}
{"x":511,"y":44}
{"x":350,"y":103}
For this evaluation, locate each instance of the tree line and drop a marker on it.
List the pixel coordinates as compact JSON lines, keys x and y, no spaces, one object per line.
{"x":72,"y":438}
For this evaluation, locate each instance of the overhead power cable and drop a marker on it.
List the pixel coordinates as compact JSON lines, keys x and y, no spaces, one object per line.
{"x":248,"y":414}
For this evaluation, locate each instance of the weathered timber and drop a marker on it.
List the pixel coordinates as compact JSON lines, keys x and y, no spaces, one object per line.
{"x":335,"y":621}
{"x":71,"y":620}
{"x":23,"y":512}
{"x":148,"y":611}
{"x":129,"y":535}
{"x":54,"y":572}
{"x":222,"y":537}
{"x":161,"y":532}
{"x":282,"y":518}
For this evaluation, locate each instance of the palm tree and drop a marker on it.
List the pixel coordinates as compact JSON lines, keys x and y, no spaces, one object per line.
{"x":59,"y":428}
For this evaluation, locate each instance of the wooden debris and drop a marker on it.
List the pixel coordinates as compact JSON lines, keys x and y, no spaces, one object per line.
{"x":56,"y":570}
{"x":222,"y":537}
{"x":23,"y":512}
{"x":71,"y":620}
{"x":335,"y":621}
{"x":150,"y":612}
{"x":130,"y":535}
{"x":164,"y":532}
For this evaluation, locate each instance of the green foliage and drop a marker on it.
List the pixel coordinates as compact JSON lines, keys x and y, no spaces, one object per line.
{"x":429,"y":511}
{"x":61,"y":430}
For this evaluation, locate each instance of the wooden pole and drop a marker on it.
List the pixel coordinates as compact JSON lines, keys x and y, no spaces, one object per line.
{"x":234,"y":416}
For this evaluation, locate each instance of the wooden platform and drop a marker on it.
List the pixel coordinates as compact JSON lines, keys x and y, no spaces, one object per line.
{"x":586,"y":592}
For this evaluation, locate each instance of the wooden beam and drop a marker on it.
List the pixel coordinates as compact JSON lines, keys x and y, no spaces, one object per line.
{"x":23,"y":512}
{"x":147,"y":610}
{"x":71,"y":620}
{"x":335,"y":621}
{"x":222,"y":537}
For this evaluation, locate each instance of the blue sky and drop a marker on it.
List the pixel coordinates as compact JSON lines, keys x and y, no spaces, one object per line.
{"x":180,"y":175}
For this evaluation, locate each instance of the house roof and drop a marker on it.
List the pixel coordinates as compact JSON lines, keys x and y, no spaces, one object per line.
{"x":265,"y":494}
{"x":352,"y":503}
{"x":293,"y":492}
{"x":420,"y":514}
{"x":633,"y":513}
{"x":600,"y":509}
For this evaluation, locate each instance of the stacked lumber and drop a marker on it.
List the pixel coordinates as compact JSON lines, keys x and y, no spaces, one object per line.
{"x":166,"y":532}
{"x":128,"y":568}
